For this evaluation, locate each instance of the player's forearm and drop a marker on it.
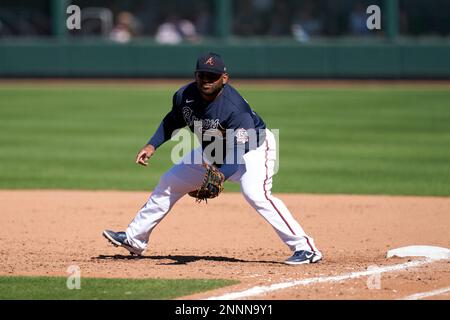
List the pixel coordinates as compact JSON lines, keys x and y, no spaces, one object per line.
{"x":163,"y":133}
{"x":158,"y":138}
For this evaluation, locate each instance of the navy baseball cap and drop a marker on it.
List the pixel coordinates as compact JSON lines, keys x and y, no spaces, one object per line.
{"x":211,"y":62}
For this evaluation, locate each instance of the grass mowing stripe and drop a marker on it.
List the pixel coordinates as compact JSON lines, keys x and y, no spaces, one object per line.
{"x":55,"y":288}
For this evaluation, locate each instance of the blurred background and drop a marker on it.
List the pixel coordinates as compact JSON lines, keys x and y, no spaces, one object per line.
{"x":262,"y":38}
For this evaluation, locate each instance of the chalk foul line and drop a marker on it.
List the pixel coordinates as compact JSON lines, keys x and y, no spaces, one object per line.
{"x":428,"y":294}
{"x":259,"y":290}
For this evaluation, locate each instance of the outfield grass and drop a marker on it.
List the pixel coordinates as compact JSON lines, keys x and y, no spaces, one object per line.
{"x":373,"y":140}
{"x":55,"y":288}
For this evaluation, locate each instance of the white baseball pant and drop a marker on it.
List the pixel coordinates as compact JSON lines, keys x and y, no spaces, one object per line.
{"x":255,"y":178}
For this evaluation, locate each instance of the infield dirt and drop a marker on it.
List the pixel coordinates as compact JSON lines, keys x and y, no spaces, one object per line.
{"x":45,"y":232}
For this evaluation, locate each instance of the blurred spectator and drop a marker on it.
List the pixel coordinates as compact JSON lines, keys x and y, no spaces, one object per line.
{"x":276,"y":18}
{"x":358,"y":20}
{"x":307,"y":23}
{"x":175,"y":30}
{"x":127,"y":26}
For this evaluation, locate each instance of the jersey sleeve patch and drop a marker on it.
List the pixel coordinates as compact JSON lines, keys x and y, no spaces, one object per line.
{"x":241,"y":136}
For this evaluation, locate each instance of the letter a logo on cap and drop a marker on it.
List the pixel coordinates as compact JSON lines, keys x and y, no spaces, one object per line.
{"x":210,"y":61}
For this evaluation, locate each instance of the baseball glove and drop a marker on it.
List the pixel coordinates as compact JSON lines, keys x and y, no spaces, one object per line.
{"x":212,"y":184}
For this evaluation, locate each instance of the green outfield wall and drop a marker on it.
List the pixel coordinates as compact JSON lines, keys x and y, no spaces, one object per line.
{"x":52,"y":58}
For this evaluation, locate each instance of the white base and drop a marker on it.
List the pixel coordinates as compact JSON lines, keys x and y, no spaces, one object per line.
{"x":430,"y":252}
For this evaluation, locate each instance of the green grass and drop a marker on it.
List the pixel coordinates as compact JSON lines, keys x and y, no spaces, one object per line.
{"x":367,"y":140}
{"x":55,"y":288}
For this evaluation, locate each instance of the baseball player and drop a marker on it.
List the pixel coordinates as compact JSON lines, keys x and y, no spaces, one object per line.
{"x":215,"y":111}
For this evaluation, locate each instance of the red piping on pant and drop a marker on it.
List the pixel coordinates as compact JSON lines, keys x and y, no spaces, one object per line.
{"x":271,"y":202}
{"x":265,"y":191}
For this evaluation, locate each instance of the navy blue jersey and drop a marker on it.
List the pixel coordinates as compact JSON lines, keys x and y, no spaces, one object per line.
{"x":215,"y":119}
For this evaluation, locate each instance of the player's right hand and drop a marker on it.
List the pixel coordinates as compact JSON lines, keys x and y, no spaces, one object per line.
{"x":145,"y":154}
